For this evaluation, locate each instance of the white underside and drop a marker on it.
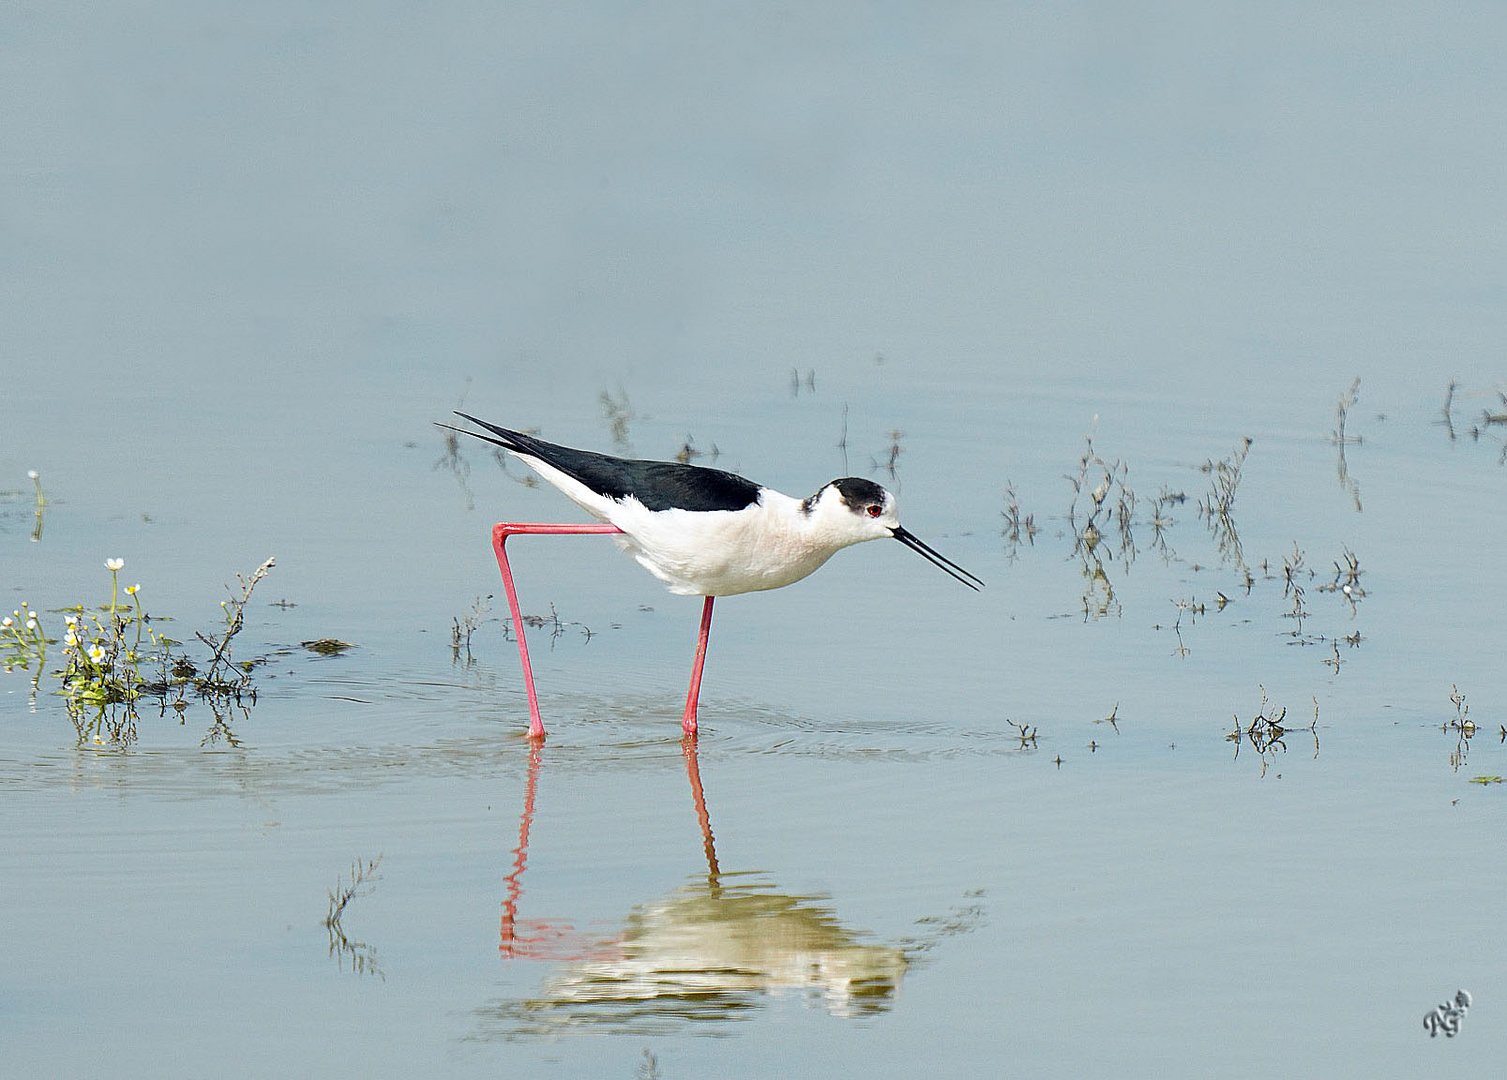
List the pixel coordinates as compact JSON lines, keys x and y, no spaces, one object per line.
{"x":707,"y":553}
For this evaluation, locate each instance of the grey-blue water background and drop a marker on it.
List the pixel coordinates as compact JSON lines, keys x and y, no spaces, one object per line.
{"x":251,"y":252}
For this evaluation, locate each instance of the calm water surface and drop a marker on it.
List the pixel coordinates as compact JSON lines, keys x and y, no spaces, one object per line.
{"x":250,"y":257}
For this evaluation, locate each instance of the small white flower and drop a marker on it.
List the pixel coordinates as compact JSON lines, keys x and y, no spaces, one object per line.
{"x":132,"y":590}
{"x":70,"y":620}
{"x":71,"y":639}
{"x":7,"y":624}
{"x":115,"y":564}
{"x":31,"y":624}
{"x":96,"y":654}
{"x":32,"y":474}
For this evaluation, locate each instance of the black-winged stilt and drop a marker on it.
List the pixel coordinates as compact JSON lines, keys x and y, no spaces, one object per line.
{"x":703,"y":532}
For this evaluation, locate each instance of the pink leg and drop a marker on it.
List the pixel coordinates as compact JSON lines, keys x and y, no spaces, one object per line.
{"x":500,"y":533}
{"x":688,"y":722}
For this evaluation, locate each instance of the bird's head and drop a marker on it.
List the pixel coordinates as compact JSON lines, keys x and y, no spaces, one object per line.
{"x":852,"y":510}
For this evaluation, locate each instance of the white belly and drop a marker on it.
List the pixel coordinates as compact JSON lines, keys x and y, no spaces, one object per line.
{"x":722,"y":553}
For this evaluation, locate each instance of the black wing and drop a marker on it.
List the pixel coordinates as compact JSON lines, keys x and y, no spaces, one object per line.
{"x":659,"y":485}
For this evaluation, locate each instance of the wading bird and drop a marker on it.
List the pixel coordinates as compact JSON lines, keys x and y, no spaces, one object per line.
{"x":703,"y":532}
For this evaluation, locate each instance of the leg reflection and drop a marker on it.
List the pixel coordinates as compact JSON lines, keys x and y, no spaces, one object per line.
{"x":508,"y":943}
{"x":545,"y":939}
{"x":708,"y":843}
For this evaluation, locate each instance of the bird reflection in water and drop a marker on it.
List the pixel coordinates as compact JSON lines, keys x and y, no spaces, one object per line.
{"x":715,"y":950}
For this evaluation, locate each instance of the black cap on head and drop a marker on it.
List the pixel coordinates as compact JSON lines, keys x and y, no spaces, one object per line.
{"x":857,"y":492}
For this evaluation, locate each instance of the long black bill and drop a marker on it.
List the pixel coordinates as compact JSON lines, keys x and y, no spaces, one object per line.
{"x":910,"y":541}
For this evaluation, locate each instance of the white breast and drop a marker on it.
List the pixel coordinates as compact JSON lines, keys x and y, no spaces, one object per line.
{"x":723,"y":552}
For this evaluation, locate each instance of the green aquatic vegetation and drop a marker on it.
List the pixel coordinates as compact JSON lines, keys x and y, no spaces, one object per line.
{"x":1484,"y":780}
{"x":23,"y":644}
{"x":114,"y":657}
{"x":105,"y":652}
{"x":326,"y":646}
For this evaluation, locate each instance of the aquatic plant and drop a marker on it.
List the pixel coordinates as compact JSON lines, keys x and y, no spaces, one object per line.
{"x":1026,"y":733}
{"x":362,"y":957}
{"x":41,"y":504}
{"x":1216,"y":508}
{"x":224,"y":676}
{"x":1017,"y":530}
{"x":618,"y":413}
{"x":104,"y":652}
{"x":891,"y":461}
{"x":1111,"y":504}
{"x":23,"y":644}
{"x":1268,"y":729}
{"x":326,"y":646}
{"x":465,"y":626}
{"x":1463,"y":727}
{"x":1342,"y":409}
{"x":1346,"y":583}
{"x":113,"y":657}
{"x":1490,"y":420}
{"x":1341,"y":440}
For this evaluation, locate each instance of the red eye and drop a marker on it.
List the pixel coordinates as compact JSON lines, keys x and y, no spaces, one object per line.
{"x":875,"y":509}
